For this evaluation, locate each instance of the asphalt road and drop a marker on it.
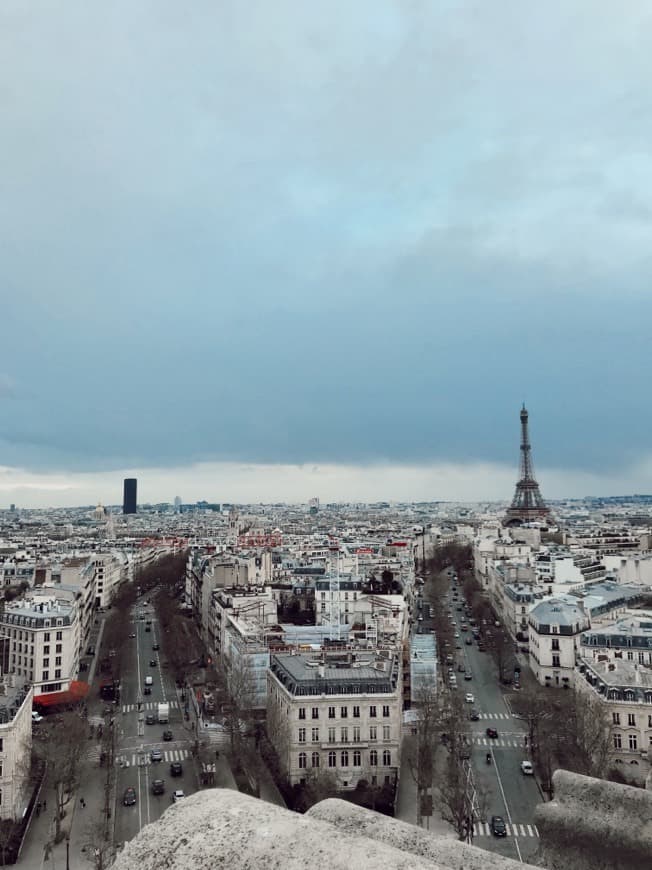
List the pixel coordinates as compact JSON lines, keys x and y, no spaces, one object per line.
{"x":136,"y":739}
{"x":507,"y":791}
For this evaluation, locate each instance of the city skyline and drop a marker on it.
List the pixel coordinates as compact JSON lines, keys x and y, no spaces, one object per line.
{"x":340,"y":248}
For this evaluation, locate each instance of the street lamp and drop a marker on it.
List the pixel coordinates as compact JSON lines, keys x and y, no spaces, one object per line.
{"x":68,"y":853}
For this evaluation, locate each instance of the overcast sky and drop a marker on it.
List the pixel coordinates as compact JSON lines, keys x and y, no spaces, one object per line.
{"x":271,"y":250}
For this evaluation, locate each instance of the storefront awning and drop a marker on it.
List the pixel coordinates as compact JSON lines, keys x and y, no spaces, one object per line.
{"x":77,"y":691}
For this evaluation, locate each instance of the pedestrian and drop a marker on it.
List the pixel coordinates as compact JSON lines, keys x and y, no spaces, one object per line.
{"x":45,"y":804}
{"x":82,"y":802}
{"x":38,"y":808}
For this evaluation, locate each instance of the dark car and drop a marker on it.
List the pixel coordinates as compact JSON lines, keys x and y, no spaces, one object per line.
{"x":167,"y":735}
{"x":158,"y":786}
{"x":474,"y":716}
{"x":176,"y":769}
{"x":150,"y":719}
{"x":152,"y":663}
{"x":155,"y":647}
{"x":498,"y":826}
{"x":129,"y":797}
{"x":147,"y":628}
{"x":156,"y":755}
{"x":491,"y":732}
{"x":147,"y":690}
{"x":90,"y":651}
{"x":468,"y":641}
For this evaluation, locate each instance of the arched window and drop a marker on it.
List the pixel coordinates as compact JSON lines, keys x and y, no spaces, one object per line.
{"x":357,"y":758}
{"x":332,"y":759}
{"x":315,"y":759}
{"x":303,"y":758}
{"x":345,"y":759}
{"x":373,"y":758}
{"x":387,"y":758}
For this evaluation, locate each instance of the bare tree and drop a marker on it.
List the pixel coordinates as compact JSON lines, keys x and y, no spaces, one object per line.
{"x":63,"y":749}
{"x":319,"y":784}
{"x":97,"y":847}
{"x":456,"y":795}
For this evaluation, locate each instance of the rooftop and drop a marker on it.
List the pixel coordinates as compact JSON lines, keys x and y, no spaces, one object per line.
{"x":341,"y":673}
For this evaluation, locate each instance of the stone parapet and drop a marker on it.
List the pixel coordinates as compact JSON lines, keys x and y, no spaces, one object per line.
{"x":593,"y":824}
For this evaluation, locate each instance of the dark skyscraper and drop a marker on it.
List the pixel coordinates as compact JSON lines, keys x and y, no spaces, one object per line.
{"x":129,"y":500}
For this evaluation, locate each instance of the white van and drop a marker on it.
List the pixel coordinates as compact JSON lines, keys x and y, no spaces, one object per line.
{"x":149,"y":681}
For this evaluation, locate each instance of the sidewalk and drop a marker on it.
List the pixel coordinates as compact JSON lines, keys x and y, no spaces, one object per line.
{"x":406,"y":799}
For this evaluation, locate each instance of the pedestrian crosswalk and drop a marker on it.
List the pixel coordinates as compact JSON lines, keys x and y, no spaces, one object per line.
{"x":505,"y":742}
{"x":495,"y":715}
{"x":482,"y":829}
{"x":135,"y":759}
{"x":147,"y":705}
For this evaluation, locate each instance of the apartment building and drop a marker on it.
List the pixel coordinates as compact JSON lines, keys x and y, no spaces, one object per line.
{"x":624,"y":690}
{"x":339,"y":712}
{"x":15,"y":745}
{"x":628,"y":638}
{"x":555,"y":626}
{"x":43,"y":630}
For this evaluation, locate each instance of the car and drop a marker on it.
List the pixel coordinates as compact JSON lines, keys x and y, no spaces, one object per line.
{"x":498,"y":826}
{"x":176,"y":769}
{"x":178,"y":794}
{"x":167,"y":736}
{"x":465,"y":751}
{"x":491,"y":732}
{"x":474,"y":716}
{"x":155,"y":647}
{"x":457,"y":634}
{"x":129,"y":797}
{"x":133,"y":634}
{"x":158,"y":786}
{"x":468,"y":675}
{"x":459,"y":607}
{"x":90,"y":651}
{"x":468,"y":641}
{"x":468,"y":698}
{"x":147,"y":690}
{"x":152,"y":663}
{"x":458,"y":646}
{"x":150,"y":719}
{"x":36,"y":717}
{"x":461,"y":668}
{"x":156,"y":755}
{"x":147,"y":628}
{"x":526,"y":768}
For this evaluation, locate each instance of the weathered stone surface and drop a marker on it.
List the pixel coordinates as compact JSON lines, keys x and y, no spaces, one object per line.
{"x":221,"y":828}
{"x":408,"y":838}
{"x":595,"y":825}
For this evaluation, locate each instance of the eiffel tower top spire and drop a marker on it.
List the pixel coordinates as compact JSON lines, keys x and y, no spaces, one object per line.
{"x":528,"y":503}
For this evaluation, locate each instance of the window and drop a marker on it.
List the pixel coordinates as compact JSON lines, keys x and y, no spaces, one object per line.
{"x":630,"y":656}
{"x":618,"y":741}
{"x":344,"y":758}
{"x":386,"y":732}
{"x":303,"y":758}
{"x":59,"y":635}
{"x":46,"y":650}
{"x":555,"y":661}
{"x":373,"y":758}
{"x":45,"y":675}
{"x":57,"y":674}
{"x":315,"y":712}
{"x":631,"y":719}
{"x":615,"y":718}
{"x":314,"y":760}
{"x":356,"y":734}
{"x":357,"y":758}
{"x":331,"y":735}
{"x":0,"y":768}
{"x":1,"y":744}
{"x":331,"y":712}
{"x":356,"y":712}
{"x":57,"y":660}
{"x":373,"y":732}
{"x":385,"y":710}
{"x":59,"y":648}
{"x":46,"y":637}
{"x":344,"y":712}
{"x":332,"y":759}
{"x":302,"y":712}
{"x":315,"y":735}
{"x":649,"y":721}
{"x":633,"y":742}
{"x":46,"y":663}
{"x":344,"y":735}
{"x":387,"y":758}
{"x":555,"y":644}
{"x":372,"y":712}
{"x":302,"y":735}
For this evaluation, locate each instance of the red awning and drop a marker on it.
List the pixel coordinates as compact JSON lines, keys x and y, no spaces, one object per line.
{"x":76,"y":692}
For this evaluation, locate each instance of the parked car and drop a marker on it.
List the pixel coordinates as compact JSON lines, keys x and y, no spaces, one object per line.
{"x":90,"y":651}
{"x":156,"y":755}
{"x":129,"y":797}
{"x":158,"y":786}
{"x":155,"y":647}
{"x":36,"y":717}
{"x":526,"y":768}
{"x":176,"y":769}
{"x":498,"y":826}
{"x":178,"y":795}
{"x":491,"y":732}
{"x":152,"y":663}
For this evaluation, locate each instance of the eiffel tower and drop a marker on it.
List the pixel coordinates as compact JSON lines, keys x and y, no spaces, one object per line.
{"x":528,"y":503}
